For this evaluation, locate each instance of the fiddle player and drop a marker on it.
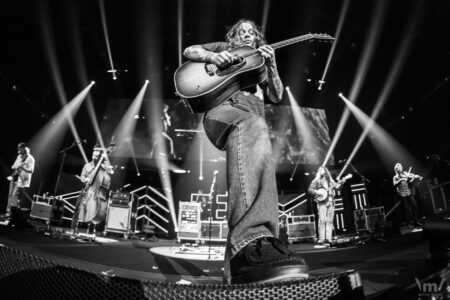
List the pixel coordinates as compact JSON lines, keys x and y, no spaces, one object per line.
{"x":401,"y":181}
{"x":85,"y":177}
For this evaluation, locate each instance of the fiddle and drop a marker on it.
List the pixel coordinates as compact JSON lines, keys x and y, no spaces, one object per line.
{"x":411,"y":176}
{"x":408,"y":175}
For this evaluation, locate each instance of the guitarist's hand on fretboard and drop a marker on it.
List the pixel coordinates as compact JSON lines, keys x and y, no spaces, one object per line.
{"x":268,"y":53}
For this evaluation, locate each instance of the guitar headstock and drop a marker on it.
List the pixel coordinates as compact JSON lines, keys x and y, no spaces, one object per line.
{"x":322,"y":36}
{"x":345,"y":178}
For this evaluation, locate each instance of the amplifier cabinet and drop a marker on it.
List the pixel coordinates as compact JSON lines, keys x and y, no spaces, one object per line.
{"x":301,"y":227}
{"x":120,"y":199}
{"x":371,"y":219}
{"x":219,"y":231}
{"x":121,"y":214}
{"x":41,"y":211}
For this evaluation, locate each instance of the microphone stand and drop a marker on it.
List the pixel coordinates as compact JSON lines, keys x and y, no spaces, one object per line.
{"x":210,"y":225}
{"x":63,"y":152}
{"x":357,"y":172}
{"x":372,"y":236}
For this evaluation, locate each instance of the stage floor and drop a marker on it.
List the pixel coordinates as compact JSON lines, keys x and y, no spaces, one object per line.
{"x":393,"y":264}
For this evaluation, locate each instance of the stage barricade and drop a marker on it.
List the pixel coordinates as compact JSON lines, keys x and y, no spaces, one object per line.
{"x":25,"y":276}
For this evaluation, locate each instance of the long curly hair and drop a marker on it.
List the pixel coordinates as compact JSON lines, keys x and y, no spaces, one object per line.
{"x":327,"y":175}
{"x":232,"y":36}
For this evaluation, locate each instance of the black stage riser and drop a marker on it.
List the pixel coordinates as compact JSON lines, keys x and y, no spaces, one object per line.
{"x":25,"y":276}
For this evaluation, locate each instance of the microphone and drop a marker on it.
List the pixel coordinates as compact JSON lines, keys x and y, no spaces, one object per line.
{"x":342,"y":161}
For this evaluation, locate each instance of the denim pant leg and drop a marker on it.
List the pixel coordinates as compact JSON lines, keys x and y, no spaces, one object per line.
{"x":253,"y":198}
{"x":322,"y":212}
{"x":14,"y":195}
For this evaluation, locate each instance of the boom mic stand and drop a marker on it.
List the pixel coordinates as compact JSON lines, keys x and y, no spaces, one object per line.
{"x":210,"y":199}
{"x":63,"y":152}
{"x":210,"y":226}
{"x":371,"y":226}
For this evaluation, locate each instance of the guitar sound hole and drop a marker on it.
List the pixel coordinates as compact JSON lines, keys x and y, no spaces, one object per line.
{"x":230,"y":69}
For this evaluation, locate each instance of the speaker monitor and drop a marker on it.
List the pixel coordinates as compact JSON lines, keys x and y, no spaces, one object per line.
{"x":118,"y":218}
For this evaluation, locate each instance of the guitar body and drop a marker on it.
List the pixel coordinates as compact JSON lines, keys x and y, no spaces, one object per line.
{"x":204,"y":86}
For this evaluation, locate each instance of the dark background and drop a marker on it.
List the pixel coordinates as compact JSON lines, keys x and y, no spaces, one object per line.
{"x":144,"y":45}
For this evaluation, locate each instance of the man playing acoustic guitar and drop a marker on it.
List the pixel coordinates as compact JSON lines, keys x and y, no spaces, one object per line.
{"x":323,"y":189}
{"x":20,"y":179}
{"x":237,"y":125}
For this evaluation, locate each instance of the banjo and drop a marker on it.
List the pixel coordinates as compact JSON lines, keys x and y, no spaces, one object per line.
{"x":324,"y":194}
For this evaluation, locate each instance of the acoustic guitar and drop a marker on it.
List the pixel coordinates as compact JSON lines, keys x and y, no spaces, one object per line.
{"x":203,"y":86}
{"x":325,"y":194}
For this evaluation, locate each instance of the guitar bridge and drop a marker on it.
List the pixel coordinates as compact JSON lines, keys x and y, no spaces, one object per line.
{"x":210,"y":69}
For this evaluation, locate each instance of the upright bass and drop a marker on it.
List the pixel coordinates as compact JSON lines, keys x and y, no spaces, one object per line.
{"x":95,"y":193}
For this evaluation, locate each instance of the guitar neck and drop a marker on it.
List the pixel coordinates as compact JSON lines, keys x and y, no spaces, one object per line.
{"x":293,"y":40}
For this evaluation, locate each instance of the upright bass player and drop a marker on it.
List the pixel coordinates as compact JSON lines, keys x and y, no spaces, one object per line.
{"x":98,"y":166}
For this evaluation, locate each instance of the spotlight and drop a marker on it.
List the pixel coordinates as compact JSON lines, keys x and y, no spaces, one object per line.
{"x":147,"y":81}
{"x":340,"y":95}
{"x":136,"y":116}
{"x":287,"y":88}
{"x":290,"y":179}
{"x":138,"y":174}
{"x":200,"y":178}
{"x":320,"y":84}
{"x":92,"y":82}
